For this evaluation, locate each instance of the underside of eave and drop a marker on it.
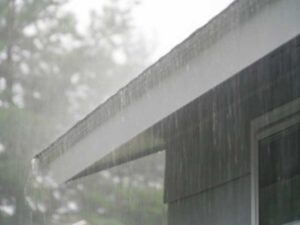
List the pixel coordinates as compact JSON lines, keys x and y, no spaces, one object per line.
{"x":198,"y":41}
{"x":152,"y":80}
{"x":117,"y":158}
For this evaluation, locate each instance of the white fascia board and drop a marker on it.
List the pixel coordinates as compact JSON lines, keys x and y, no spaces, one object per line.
{"x":269,"y":28}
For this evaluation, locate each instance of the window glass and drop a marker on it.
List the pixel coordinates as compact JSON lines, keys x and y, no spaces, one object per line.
{"x":279,"y":178}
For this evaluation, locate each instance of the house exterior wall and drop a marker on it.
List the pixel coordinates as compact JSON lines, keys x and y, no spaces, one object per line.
{"x":233,"y":40}
{"x":221,"y":205}
{"x":207,"y":178}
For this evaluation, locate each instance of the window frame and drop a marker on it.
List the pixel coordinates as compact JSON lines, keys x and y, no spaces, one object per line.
{"x":269,"y":123}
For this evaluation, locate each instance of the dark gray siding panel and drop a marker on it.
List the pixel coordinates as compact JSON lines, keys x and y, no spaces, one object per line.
{"x":211,"y":144}
{"x":227,"y":204}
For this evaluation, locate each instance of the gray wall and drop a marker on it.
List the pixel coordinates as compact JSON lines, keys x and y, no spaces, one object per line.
{"x":226,"y":204}
{"x":208,"y":151}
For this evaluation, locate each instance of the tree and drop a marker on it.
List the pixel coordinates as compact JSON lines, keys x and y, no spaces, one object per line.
{"x":29,"y":59}
{"x":51,"y":75}
{"x":113,"y":53}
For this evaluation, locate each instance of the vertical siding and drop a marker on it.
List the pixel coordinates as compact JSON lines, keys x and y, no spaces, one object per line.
{"x":227,"y":204}
{"x":212,"y":141}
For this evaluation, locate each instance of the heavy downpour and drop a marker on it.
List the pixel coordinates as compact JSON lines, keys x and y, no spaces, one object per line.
{"x":148,"y":112}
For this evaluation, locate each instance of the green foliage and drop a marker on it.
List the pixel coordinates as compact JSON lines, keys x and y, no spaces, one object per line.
{"x":51,"y":75}
{"x":127,"y":204}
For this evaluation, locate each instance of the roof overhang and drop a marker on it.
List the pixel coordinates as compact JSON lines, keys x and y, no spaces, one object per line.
{"x":119,"y":130}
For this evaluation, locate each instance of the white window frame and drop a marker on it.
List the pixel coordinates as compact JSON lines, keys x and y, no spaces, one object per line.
{"x":264,"y":126}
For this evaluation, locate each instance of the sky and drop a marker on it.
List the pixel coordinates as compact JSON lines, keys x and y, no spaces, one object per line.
{"x":164,"y":22}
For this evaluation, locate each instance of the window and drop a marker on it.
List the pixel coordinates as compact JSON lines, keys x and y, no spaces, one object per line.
{"x":276,"y":166}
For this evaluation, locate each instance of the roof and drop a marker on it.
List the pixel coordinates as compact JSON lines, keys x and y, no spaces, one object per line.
{"x":119,"y":130}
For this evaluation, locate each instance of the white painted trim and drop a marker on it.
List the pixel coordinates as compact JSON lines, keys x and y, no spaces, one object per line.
{"x":269,"y":28}
{"x":264,"y":126}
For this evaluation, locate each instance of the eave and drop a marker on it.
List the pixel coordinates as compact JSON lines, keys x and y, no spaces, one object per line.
{"x":119,"y":130}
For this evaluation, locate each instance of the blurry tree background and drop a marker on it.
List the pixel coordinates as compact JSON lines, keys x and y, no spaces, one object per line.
{"x":51,"y":75}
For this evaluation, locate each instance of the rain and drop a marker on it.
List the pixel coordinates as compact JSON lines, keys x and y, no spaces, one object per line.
{"x":139,"y":112}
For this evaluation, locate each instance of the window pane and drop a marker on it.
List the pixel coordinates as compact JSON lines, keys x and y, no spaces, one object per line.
{"x":279,"y":177}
